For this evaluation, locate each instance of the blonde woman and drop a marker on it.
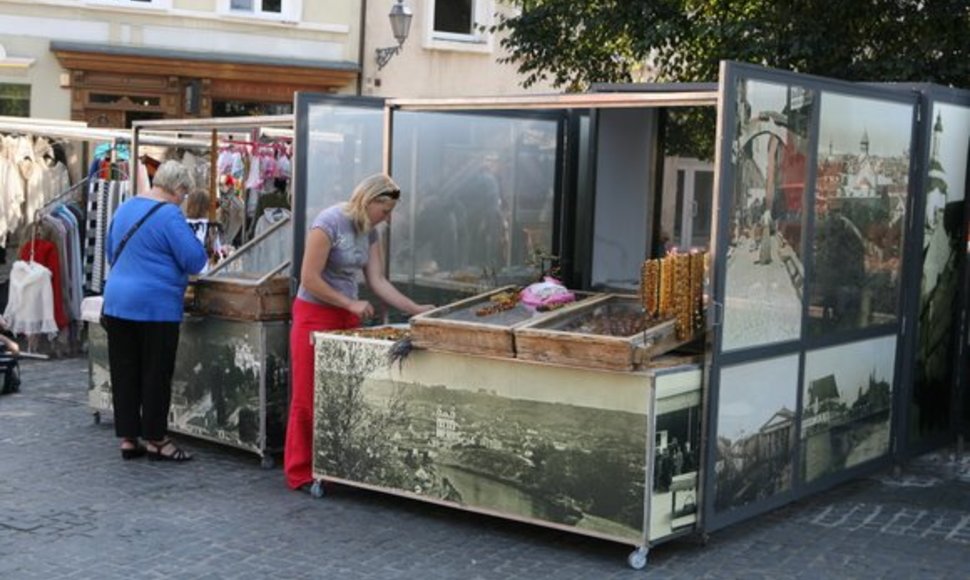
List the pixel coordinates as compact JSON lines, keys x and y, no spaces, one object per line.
{"x":341,"y":243}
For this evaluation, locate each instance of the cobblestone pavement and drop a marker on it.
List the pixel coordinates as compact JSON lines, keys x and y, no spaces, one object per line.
{"x":71,"y":508}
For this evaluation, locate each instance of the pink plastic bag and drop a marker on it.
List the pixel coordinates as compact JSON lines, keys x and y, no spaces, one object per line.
{"x":549,"y":292}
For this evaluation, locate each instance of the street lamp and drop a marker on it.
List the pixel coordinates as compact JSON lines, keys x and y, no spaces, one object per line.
{"x":400,"y":17}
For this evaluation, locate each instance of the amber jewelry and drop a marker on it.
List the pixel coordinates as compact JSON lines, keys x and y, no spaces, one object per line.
{"x":649,"y":286}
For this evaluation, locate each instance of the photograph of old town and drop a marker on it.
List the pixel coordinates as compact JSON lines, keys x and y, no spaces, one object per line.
{"x":515,"y":452}
{"x":846,"y":405}
{"x":860,"y":209}
{"x":755,"y":431}
{"x":764,"y":277}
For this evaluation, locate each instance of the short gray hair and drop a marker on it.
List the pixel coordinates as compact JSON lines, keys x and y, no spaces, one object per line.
{"x":172,"y":175}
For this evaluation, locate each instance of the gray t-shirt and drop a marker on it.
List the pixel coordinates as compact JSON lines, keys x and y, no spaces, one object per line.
{"x":349,"y":252}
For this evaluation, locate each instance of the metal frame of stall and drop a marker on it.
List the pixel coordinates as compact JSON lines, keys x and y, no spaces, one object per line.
{"x":540,"y":106}
{"x":778,"y":480}
{"x":224,"y":357}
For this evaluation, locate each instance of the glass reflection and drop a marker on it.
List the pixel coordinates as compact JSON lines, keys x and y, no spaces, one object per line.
{"x":755,"y":431}
{"x":860,"y":211}
{"x":846,"y":405}
{"x":763,"y":294}
{"x":477,"y":203}
{"x":942,"y":237}
{"x":344,"y":146}
{"x":262,"y":255}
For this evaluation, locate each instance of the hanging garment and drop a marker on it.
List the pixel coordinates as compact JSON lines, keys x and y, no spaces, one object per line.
{"x":30,"y":304}
{"x":46,"y":254}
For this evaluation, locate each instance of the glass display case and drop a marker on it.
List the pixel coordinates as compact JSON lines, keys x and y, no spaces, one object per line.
{"x":253,"y":283}
{"x":610,"y":332}
{"x":482,"y":324}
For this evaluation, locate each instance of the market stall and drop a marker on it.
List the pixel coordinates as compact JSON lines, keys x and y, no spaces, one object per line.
{"x":231,"y":375}
{"x":829,"y":251}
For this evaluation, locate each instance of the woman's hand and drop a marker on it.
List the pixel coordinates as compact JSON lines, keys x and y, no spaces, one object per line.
{"x":362,"y":309}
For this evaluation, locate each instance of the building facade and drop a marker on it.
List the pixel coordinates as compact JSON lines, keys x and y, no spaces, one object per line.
{"x":111,"y":62}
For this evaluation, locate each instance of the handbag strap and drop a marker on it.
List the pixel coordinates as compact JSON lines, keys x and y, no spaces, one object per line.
{"x":134,"y":228}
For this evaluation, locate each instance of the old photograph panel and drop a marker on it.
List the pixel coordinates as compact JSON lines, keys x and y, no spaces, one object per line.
{"x":755,"y":431}
{"x":860,"y":212}
{"x":763,"y":302}
{"x":674,"y":501}
{"x":846,"y":405}
{"x":485,"y":444}
{"x":942,"y":254}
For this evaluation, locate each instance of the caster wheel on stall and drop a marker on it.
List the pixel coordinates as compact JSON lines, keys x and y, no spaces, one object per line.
{"x":638,"y":558}
{"x":267,"y":462}
{"x":316,"y":490}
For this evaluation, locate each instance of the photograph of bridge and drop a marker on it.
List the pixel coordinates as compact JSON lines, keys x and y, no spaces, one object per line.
{"x":846,"y":405}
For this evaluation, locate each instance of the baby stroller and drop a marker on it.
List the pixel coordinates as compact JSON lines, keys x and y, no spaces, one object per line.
{"x":9,"y":371}
{"x":9,"y":362}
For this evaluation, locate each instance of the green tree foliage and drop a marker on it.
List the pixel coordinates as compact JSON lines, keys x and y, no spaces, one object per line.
{"x":573,"y":43}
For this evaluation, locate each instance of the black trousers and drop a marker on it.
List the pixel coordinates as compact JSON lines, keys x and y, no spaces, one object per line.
{"x":142,"y":359}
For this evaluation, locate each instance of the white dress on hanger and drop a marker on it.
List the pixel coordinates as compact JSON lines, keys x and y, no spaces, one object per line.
{"x":30,"y":304}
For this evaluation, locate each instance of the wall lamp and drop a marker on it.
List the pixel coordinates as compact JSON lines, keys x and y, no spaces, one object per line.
{"x":400,"y":17}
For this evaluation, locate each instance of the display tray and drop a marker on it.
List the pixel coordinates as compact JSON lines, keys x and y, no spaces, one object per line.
{"x":243,"y":300}
{"x":609,"y":332}
{"x":475,"y":326}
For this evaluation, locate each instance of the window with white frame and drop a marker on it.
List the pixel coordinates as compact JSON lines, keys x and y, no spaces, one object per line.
{"x":458,"y":20}
{"x":272,"y":9}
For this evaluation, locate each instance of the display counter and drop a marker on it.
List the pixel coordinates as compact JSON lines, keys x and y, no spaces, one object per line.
{"x":601,"y":453}
{"x":229,"y":386}
{"x":232,"y":367}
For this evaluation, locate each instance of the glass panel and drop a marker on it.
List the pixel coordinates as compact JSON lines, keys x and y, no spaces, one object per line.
{"x":755,"y":431}
{"x":702,"y":210}
{"x":246,"y":5}
{"x":345,"y":146}
{"x":942,"y":254}
{"x":453,"y":16}
{"x":477,"y":202}
{"x":846,"y":405}
{"x":763,"y":301}
{"x":679,"y":209}
{"x":860,"y":210}
{"x":264,"y":255}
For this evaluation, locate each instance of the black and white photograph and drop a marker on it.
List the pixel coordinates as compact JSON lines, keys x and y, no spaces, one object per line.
{"x":545,"y":451}
{"x":764,"y":275}
{"x":676,"y":452}
{"x":846,"y":405}
{"x":861,"y":193}
{"x":216,"y":384}
{"x":942,"y":252}
{"x":755,"y":431}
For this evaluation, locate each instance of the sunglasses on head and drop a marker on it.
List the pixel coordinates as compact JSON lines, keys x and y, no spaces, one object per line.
{"x":394,"y":194}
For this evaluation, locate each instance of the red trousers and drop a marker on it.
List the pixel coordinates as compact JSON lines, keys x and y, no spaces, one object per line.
{"x":307,"y":319}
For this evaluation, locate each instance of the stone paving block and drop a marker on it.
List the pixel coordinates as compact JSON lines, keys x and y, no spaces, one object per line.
{"x":70,"y":507}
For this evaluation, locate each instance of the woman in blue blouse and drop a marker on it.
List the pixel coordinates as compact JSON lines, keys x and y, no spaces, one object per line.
{"x":143,"y":301}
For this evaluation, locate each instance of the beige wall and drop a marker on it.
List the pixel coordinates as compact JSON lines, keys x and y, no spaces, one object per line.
{"x":47,"y":99}
{"x":328,"y":30}
{"x":429,"y":68}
